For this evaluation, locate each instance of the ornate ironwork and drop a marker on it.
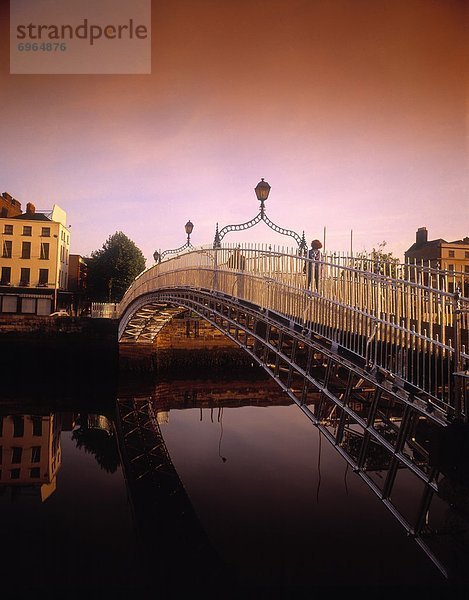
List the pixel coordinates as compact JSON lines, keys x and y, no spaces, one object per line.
{"x":262,"y":192}
{"x":158,"y":256}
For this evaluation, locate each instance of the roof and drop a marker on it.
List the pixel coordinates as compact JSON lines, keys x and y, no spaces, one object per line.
{"x":438,"y":242}
{"x":416,"y":246}
{"x":32,"y":217}
{"x":465,"y":242}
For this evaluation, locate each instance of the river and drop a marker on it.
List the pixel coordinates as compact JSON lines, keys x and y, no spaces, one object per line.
{"x":276,"y":503}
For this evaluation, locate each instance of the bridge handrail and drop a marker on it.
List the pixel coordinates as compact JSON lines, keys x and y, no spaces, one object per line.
{"x":331,"y":262}
{"x":385,"y":320}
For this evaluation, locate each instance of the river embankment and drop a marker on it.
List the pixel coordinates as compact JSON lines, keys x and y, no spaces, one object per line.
{"x":57,"y":355}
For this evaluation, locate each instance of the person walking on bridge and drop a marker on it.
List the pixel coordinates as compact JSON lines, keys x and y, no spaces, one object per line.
{"x":313,"y":265}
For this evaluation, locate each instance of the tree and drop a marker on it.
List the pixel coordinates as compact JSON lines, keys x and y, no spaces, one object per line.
{"x":379,"y":261}
{"x":101,"y":443}
{"x":112,"y":269}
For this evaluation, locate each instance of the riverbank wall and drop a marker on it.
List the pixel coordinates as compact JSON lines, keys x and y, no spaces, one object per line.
{"x":63,"y":355}
{"x":187,"y":344}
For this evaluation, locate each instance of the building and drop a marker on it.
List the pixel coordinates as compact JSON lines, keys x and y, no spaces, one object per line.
{"x":451,"y":257}
{"x":77,"y":273}
{"x":30,"y":453}
{"x":34,"y":260}
{"x":9,"y":207}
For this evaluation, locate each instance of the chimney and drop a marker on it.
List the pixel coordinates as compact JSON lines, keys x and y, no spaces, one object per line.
{"x":30,"y":208}
{"x":421,"y":237}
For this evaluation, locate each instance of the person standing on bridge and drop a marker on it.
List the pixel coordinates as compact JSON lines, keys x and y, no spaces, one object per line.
{"x":313,"y":265}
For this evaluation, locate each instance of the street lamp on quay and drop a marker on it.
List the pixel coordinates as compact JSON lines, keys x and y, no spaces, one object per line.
{"x":262,"y":190}
{"x":188,"y":227}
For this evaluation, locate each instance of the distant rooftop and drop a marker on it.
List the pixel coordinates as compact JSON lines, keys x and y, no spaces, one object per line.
{"x":37,"y":216}
{"x":422,"y":241}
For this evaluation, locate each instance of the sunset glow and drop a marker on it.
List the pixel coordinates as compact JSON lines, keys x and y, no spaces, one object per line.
{"x":354,"y":112}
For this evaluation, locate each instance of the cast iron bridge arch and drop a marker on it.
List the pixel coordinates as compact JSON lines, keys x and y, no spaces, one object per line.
{"x":369,"y":356}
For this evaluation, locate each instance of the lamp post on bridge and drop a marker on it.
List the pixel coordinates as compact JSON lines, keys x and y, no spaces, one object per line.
{"x":188,"y":227}
{"x":262,"y":190}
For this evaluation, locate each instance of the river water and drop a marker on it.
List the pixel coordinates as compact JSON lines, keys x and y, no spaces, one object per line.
{"x":275,"y":501}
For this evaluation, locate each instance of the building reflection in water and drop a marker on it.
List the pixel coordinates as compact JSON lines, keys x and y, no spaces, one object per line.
{"x":30,"y":454}
{"x":30,"y":451}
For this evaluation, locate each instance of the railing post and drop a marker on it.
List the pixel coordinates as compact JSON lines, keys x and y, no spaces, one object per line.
{"x":215,"y":270}
{"x":457,"y":328}
{"x":456,"y":383}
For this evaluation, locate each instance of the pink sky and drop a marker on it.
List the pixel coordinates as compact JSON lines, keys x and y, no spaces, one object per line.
{"x":355,"y":112}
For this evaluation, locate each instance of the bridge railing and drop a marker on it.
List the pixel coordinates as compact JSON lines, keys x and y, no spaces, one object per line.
{"x":103,"y":310}
{"x":398,"y":317}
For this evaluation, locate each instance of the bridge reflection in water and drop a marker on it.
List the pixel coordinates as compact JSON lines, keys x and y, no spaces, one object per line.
{"x":178,"y":552}
{"x":435,"y":513}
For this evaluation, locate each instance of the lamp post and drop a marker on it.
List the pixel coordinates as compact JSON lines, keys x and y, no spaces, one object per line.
{"x":262,"y":190}
{"x":188,"y":227}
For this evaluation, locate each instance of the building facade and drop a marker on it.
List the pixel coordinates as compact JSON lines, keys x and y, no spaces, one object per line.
{"x":9,"y":207}
{"x":77,"y":275}
{"x":30,"y":453}
{"x":450,"y":257}
{"x":34,"y":261}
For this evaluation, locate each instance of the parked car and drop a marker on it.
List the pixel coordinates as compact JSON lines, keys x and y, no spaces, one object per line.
{"x":60,"y":313}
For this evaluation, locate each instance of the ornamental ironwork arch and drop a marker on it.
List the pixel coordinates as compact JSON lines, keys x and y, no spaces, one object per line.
{"x":262,"y":190}
{"x":158,"y":256}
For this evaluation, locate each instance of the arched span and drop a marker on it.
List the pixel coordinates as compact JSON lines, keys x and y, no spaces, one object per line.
{"x":145,"y":318}
{"x":374,"y":422}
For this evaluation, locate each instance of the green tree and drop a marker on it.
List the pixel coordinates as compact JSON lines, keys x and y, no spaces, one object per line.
{"x":112,"y":269}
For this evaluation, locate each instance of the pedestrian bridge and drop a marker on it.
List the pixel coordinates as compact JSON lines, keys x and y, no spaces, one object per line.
{"x":397,"y":323}
{"x":374,"y":354}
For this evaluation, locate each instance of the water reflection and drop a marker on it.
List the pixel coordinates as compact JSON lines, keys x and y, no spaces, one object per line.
{"x":239,"y":488}
{"x":95,"y":435}
{"x":30,"y":454}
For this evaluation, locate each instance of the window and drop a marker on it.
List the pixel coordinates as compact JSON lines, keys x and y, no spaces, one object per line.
{"x":10,"y":304}
{"x":8,"y":229}
{"x":43,"y":276}
{"x":450,"y":267}
{"x":45,"y":232}
{"x":6,"y":276}
{"x":28,"y":306}
{"x":14,"y":474}
{"x":26,"y":250}
{"x":16,"y":454}
{"x":451,"y":254}
{"x":466,"y":268}
{"x":25,"y":276}
{"x":18,"y":426}
{"x":27,"y":230}
{"x":466,"y":254}
{"x":43,"y":306}
{"x":37,"y":425}
{"x":7,"y":245}
{"x":35,"y":472}
{"x":36,"y":454}
{"x":44,"y":251}
{"x":1,"y":454}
